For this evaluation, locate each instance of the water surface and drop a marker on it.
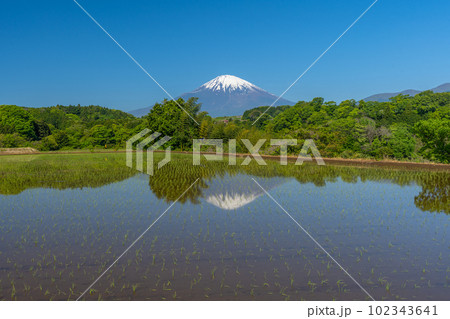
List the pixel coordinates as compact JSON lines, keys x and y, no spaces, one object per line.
{"x":64,"y":219}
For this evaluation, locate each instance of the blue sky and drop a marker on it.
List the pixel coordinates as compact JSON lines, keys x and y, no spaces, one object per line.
{"x":52,"y":53}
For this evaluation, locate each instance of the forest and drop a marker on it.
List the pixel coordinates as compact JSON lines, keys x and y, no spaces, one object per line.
{"x":406,"y":128}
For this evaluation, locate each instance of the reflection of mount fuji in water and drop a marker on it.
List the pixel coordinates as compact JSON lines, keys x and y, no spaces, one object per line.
{"x":233,"y":192}
{"x":231,"y":188}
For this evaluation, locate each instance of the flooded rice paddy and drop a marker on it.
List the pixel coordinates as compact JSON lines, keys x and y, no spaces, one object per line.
{"x":64,"y":219}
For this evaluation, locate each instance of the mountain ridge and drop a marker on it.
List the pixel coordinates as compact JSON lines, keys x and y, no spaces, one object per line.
{"x":384,"y":97}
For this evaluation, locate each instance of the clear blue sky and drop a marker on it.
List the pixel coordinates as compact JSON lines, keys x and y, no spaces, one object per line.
{"x":52,"y":53}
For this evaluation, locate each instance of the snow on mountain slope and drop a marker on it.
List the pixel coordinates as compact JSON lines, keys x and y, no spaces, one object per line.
{"x":235,"y":191}
{"x":228,"y":83}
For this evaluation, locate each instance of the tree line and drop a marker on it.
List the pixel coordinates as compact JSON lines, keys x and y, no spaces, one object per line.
{"x":405,"y":128}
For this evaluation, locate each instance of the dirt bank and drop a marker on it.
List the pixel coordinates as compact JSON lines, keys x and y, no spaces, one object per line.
{"x":18,"y":151}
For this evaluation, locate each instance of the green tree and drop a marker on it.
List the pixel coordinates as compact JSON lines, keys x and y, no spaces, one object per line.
{"x":49,"y":144}
{"x":100,"y":135}
{"x":14,"y":119}
{"x":62,"y":139}
{"x":435,"y":135}
{"x":401,"y":142}
{"x":175,"y":119}
{"x":205,"y":128}
{"x":11,"y":140}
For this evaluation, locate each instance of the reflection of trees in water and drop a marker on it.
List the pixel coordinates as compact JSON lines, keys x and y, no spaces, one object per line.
{"x":434,"y":194}
{"x":173,"y":179}
{"x":169,"y":182}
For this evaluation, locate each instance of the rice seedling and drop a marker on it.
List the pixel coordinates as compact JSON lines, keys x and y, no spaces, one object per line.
{"x":134,"y":287}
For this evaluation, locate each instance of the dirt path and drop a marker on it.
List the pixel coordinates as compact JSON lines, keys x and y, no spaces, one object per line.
{"x":18,"y":151}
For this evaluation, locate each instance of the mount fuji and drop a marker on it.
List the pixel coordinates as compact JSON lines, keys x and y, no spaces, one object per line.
{"x":231,"y":192}
{"x":228,"y":95}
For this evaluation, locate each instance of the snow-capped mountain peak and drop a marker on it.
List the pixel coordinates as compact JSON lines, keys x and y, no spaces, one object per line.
{"x":228,"y":83}
{"x":228,"y":95}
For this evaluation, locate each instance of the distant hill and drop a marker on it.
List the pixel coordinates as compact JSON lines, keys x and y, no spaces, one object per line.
{"x":384,"y":97}
{"x":442,"y":88}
